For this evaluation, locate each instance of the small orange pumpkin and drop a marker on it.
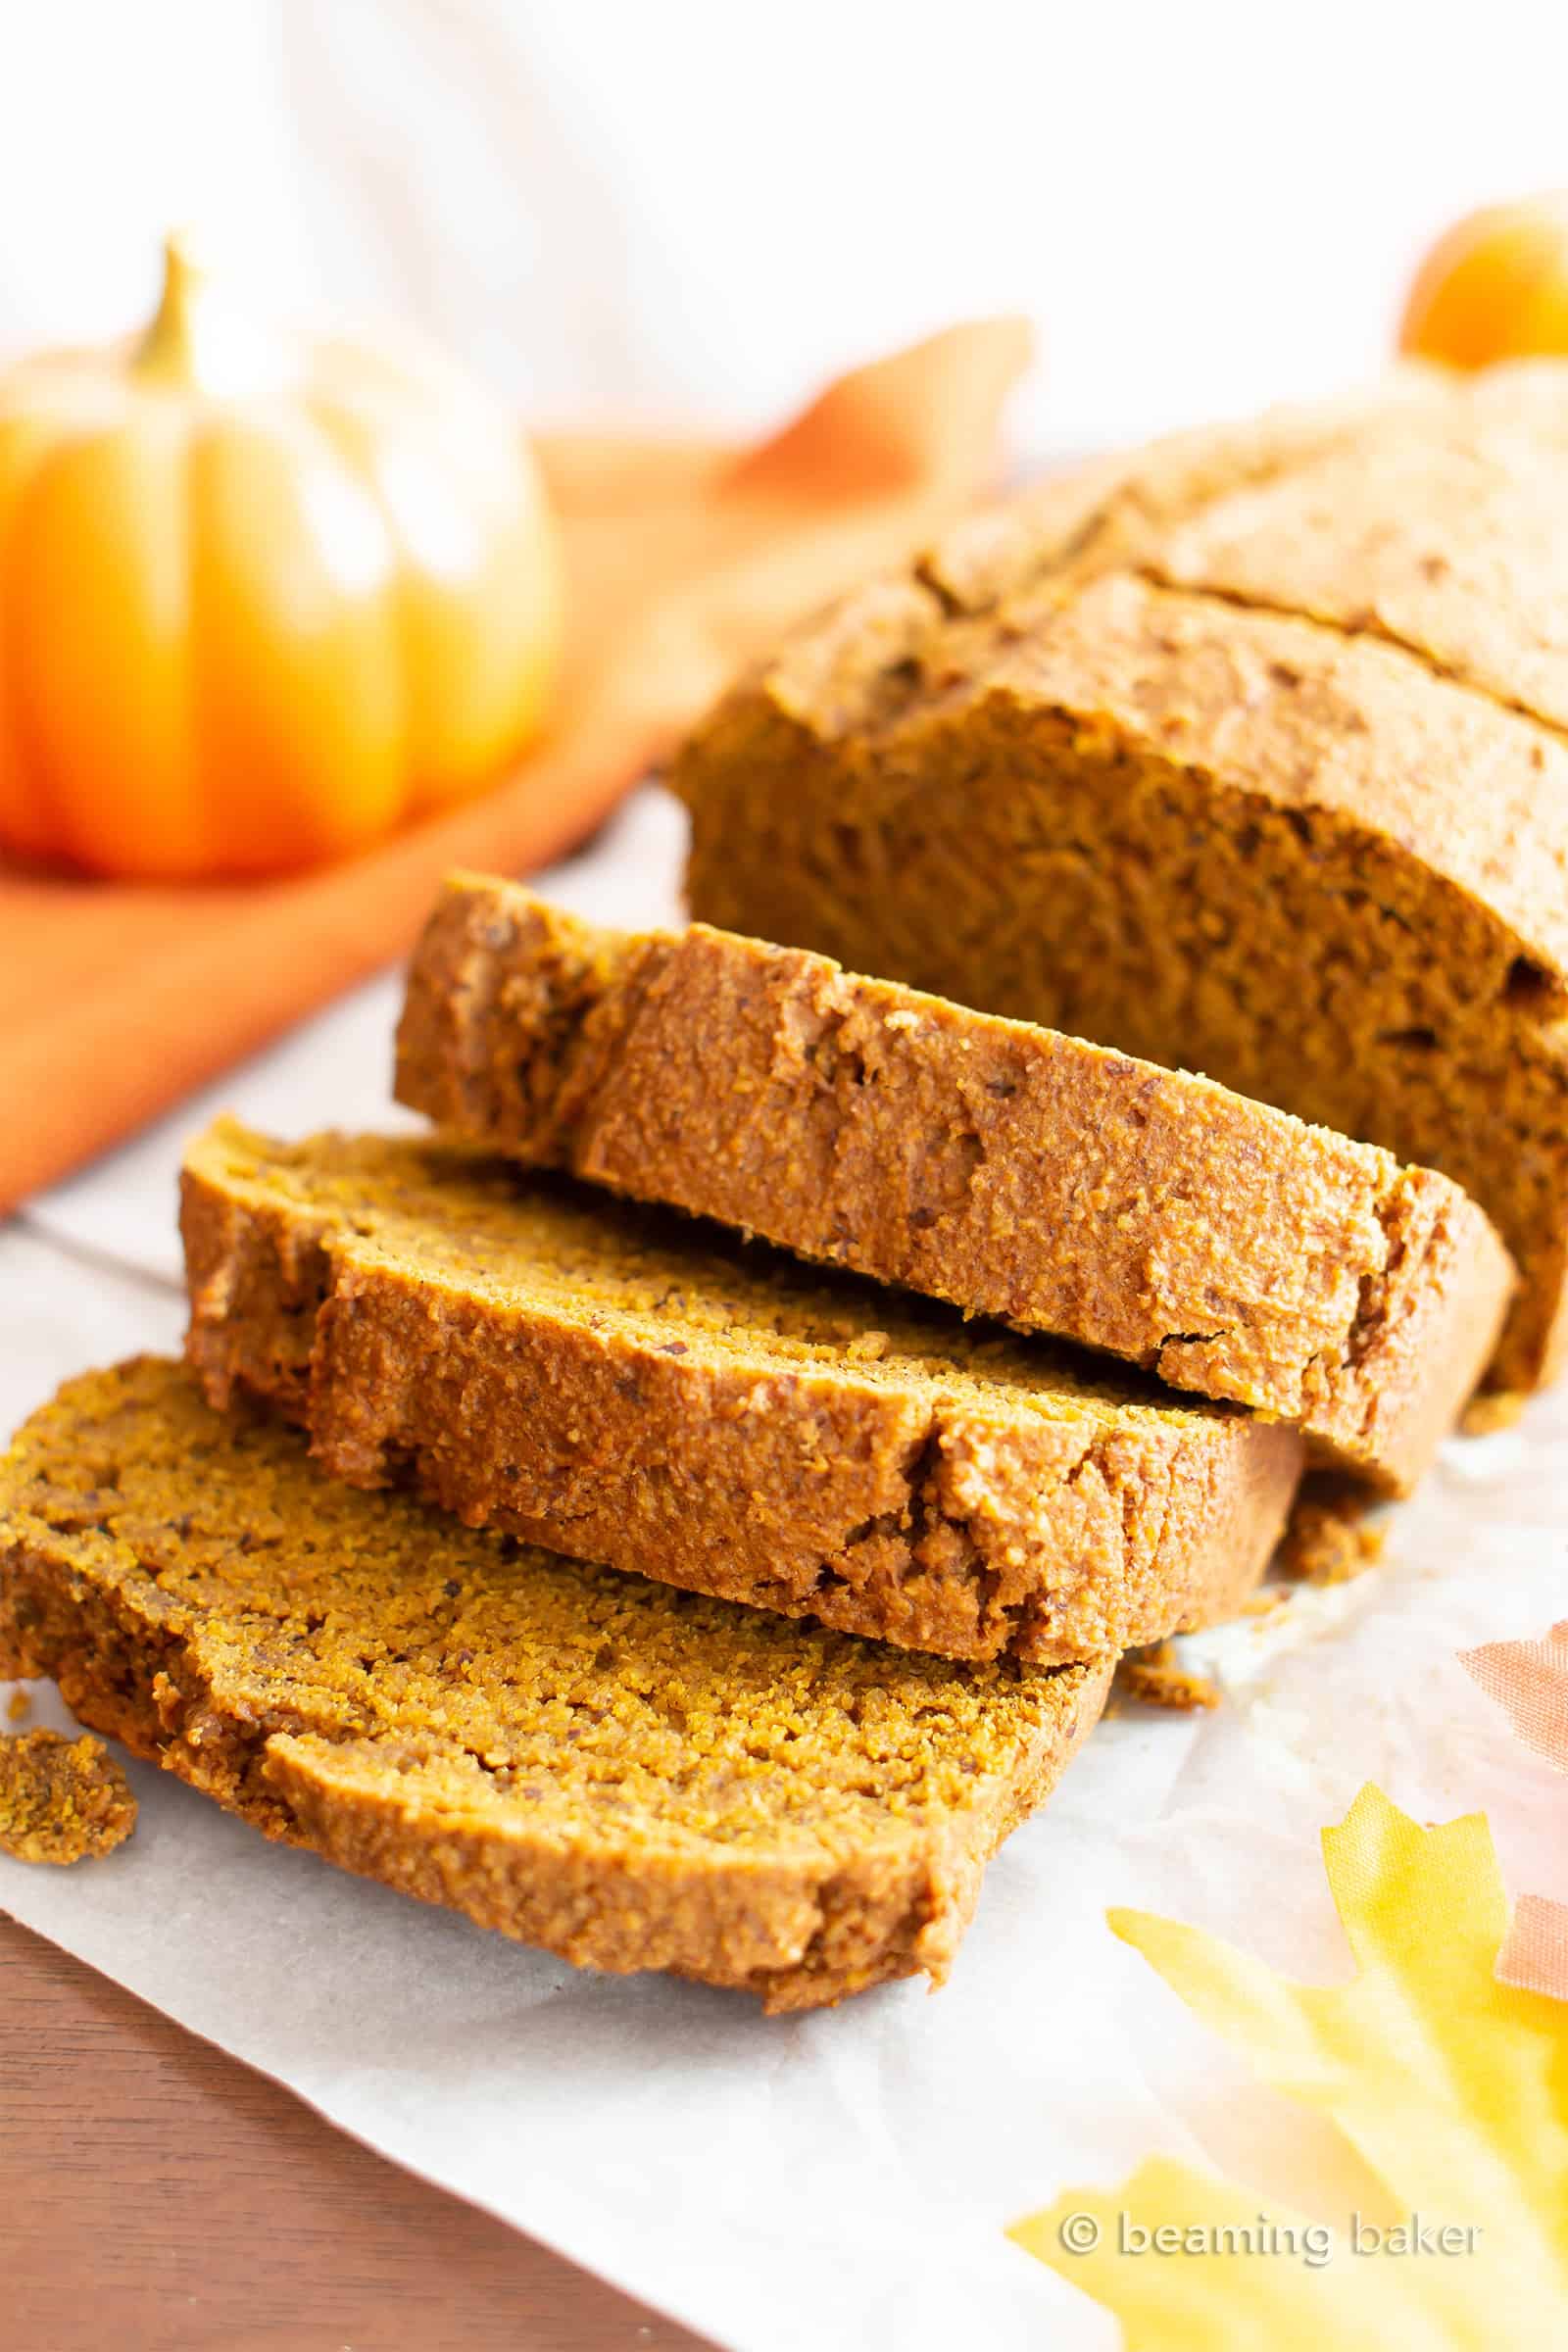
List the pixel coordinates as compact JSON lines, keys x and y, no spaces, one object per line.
{"x":1495,"y":287}
{"x":261,"y":599}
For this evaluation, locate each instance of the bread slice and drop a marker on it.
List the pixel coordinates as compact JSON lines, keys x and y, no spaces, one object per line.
{"x":1257,"y":765}
{"x":1013,"y":1170}
{"x":636,"y":1389}
{"x":628,"y":1776}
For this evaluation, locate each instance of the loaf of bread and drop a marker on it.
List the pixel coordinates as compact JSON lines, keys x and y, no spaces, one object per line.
{"x":1013,"y":1170}
{"x":636,"y":1389}
{"x":1245,"y":756}
{"x":627,"y":1774}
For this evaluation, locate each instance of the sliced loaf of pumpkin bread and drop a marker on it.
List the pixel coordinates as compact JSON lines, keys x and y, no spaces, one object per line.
{"x":1013,"y":1170}
{"x":1246,"y":754}
{"x":630,"y":1387}
{"x":628,"y":1776}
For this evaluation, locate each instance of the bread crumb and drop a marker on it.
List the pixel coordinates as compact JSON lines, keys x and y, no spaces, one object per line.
{"x":61,"y":1798}
{"x":1325,"y":1540}
{"x":19,"y":1706}
{"x":1156,"y":1678}
{"x":1264,"y":1602}
{"x":1486,"y":1414}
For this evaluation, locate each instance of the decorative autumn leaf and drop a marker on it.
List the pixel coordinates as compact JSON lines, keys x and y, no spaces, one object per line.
{"x":1452,"y":2086}
{"x":1529,"y":1680}
{"x":1536,"y":1954}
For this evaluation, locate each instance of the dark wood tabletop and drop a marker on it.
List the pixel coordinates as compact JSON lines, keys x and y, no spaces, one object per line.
{"x":157,"y":2196}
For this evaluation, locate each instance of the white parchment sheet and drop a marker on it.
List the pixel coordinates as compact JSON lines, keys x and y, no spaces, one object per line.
{"x":841,"y":2180}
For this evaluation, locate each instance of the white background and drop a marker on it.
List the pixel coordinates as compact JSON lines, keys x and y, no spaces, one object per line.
{"x":685,"y":209}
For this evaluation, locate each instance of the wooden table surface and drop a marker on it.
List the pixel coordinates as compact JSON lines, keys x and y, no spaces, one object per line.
{"x":157,"y":2196}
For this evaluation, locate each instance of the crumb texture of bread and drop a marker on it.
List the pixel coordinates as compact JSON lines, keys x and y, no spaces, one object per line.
{"x":1014,"y":1171}
{"x":629,"y":1776}
{"x":61,"y":1800}
{"x":1247,"y":754}
{"x":630,"y":1387}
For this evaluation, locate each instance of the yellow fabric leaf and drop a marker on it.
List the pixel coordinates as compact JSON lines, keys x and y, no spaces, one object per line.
{"x":1451,"y":2085}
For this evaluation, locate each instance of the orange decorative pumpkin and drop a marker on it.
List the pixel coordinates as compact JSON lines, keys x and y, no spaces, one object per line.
{"x":260,"y":599}
{"x":1495,"y":287}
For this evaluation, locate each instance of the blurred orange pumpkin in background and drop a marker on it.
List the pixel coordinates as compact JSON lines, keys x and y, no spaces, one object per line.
{"x":260,"y":599}
{"x":1495,"y":287}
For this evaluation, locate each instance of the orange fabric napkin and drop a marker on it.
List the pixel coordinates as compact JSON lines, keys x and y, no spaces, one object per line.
{"x":683,"y":559}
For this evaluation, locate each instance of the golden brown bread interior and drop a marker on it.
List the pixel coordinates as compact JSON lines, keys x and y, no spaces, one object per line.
{"x":631,"y":1387}
{"x":1013,"y":1170}
{"x":629,"y":1776}
{"x":1253,"y":761}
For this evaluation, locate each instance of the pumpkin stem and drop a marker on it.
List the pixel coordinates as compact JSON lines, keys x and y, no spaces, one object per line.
{"x":198,"y":341}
